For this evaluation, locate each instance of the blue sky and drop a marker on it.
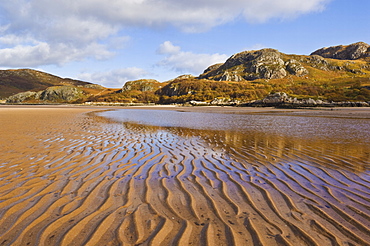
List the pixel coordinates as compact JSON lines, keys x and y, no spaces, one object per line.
{"x":111,"y":42}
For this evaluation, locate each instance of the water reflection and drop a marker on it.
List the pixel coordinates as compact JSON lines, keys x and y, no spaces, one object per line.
{"x":260,"y":139}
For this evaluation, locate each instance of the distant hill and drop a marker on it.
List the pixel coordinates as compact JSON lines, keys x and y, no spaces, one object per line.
{"x":270,"y":64}
{"x":345,"y":52}
{"x":20,"y":80}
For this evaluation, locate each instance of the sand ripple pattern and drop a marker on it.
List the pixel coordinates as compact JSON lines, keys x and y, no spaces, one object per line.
{"x":89,"y":182}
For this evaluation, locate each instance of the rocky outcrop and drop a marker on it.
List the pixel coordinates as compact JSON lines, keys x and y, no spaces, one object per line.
{"x":295,"y":68}
{"x":61,"y":93}
{"x":231,"y":76}
{"x":181,"y":77}
{"x":21,"y":97}
{"x":281,"y":99}
{"x":252,"y":65}
{"x":142,"y":85}
{"x":345,"y":52}
{"x":54,"y":94}
{"x":318,"y":62}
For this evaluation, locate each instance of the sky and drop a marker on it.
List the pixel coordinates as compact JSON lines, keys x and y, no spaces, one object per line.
{"x":114,"y":41}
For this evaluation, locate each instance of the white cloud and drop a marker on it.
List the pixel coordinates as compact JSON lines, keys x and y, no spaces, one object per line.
{"x":263,"y":10}
{"x":187,"y":62}
{"x":45,"y":54}
{"x":38,"y":27}
{"x":114,"y":78}
{"x":168,"y":48}
{"x":96,"y":18}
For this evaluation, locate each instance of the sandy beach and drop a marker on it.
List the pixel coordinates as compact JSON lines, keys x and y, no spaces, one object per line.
{"x":69,"y":176}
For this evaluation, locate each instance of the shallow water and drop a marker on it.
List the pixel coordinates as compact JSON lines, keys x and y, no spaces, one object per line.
{"x":340,"y":129}
{"x":347,"y":138}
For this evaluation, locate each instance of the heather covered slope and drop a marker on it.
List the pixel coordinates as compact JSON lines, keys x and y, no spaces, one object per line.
{"x":21,"y":80}
{"x":32,"y":86}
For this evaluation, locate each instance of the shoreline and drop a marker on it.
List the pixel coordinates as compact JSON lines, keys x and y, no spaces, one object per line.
{"x":343,"y":112}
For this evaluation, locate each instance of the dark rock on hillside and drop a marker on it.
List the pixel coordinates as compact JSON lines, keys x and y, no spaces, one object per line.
{"x":345,"y":52}
{"x":252,"y":65}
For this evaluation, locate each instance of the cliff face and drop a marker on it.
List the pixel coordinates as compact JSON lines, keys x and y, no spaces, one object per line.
{"x":345,"y":52}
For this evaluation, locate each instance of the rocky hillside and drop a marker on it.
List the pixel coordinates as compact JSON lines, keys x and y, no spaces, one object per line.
{"x":22,"y":80}
{"x":345,"y":52}
{"x":252,"y":65}
{"x":270,"y":64}
{"x":252,"y":75}
{"x":142,"y":85}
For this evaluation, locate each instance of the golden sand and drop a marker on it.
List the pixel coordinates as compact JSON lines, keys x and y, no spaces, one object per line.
{"x":69,"y":177}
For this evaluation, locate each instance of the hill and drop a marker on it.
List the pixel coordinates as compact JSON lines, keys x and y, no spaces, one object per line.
{"x":345,"y":52}
{"x":32,"y":86}
{"x":20,"y":80}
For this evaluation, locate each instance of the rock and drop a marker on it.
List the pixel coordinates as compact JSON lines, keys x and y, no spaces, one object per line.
{"x":92,"y":86}
{"x":251,"y":65}
{"x":275,"y":98}
{"x":349,"y":52}
{"x":141,"y":85}
{"x":266,"y":65}
{"x":20,"y":97}
{"x":61,"y":94}
{"x":319,"y":62}
{"x":55,"y":94}
{"x":295,"y":68}
{"x":181,"y":77}
{"x":281,"y":99}
{"x":231,"y":76}
{"x":212,"y":68}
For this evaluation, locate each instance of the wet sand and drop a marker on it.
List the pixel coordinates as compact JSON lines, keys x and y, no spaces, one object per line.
{"x":71,"y":177}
